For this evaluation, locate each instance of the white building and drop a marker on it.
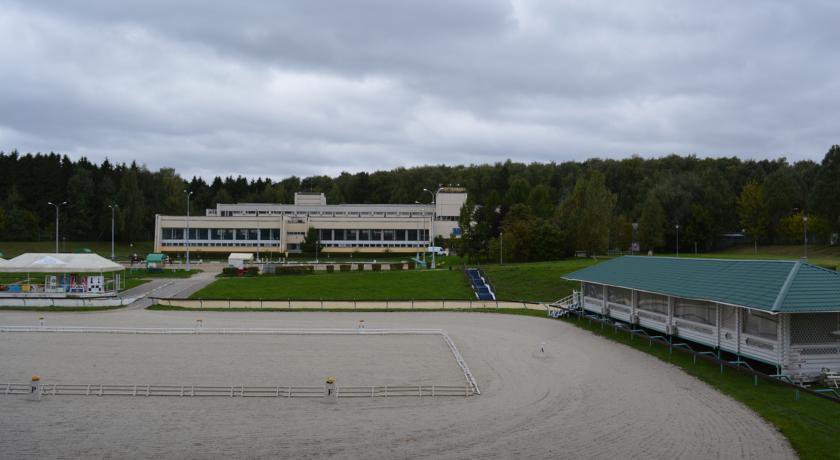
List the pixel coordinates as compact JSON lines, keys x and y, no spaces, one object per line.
{"x":281,"y":228}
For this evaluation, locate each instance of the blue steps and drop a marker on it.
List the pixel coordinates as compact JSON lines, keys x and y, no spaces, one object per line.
{"x":479,"y":285}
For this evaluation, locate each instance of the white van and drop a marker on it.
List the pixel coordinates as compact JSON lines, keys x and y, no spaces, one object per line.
{"x":437,"y":250}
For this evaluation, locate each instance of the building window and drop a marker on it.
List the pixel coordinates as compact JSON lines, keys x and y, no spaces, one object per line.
{"x":253,"y":234}
{"x":653,"y":302}
{"x":338,"y":234}
{"x":388,"y":235}
{"x":400,"y":235}
{"x":203,"y":233}
{"x":695,"y":310}
{"x":351,"y":235}
{"x":275,"y":234}
{"x":595,"y":291}
{"x":412,"y":235}
{"x":364,"y":235}
{"x":166,"y":233}
{"x":759,"y":324}
{"x":619,"y":296}
{"x":376,"y":235}
{"x":325,"y":234}
{"x":265,"y":234}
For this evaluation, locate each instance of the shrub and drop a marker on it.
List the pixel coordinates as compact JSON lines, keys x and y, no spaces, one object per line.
{"x":360,"y":267}
{"x":411,"y":265}
{"x":344,"y":267}
{"x":299,"y":270}
{"x":330,"y":268}
{"x":229,"y":271}
{"x":252,"y":271}
{"x":376,"y":267}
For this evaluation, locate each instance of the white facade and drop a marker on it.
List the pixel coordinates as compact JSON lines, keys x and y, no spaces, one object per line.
{"x":266,"y":227}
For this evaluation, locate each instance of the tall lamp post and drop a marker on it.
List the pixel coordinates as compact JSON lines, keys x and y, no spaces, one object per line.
{"x":63,"y":203}
{"x":113,"y":210}
{"x":432,"y":225}
{"x":634,"y":245}
{"x":501,"y":248}
{"x":678,"y":239}
{"x":805,"y":239}
{"x":187,"y":233}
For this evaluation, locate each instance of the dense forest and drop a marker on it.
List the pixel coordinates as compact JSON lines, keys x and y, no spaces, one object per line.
{"x":543,"y":211}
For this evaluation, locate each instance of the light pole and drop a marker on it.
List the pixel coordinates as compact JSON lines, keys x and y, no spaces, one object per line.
{"x":432,"y":225}
{"x":63,"y":203}
{"x":501,"y":247}
{"x":113,"y":210}
{"x":187,"y":233}
{"x":634,"y":245}
{"x":678,"y":239}
{"x":805,"y":239}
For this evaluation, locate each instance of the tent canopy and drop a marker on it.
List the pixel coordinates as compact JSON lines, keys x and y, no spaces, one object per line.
{"x":155,"y":258}
{"x":240,"y":256}
{"x":59,"y":263}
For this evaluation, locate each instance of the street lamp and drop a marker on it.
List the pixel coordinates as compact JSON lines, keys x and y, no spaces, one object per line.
{"x":501,"y":247}
{"x":432,"y":225}
{"x":113,"y":209}
{"x":63,"y":203}
{"x":187,"y":233}
{"x":634,"y":245}
{"x":678,"y":239}
{"x":805,"y":240}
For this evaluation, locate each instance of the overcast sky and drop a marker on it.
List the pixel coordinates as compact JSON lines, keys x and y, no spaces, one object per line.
{"x":276,"y":88}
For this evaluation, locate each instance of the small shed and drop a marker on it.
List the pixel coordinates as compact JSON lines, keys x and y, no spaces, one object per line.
{"x":155,"y":261}
{"x":785,"y":313}
{"x":239,"y":259}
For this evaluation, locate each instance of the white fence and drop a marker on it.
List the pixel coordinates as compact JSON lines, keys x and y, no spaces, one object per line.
{"x":66,"y":302}
{"x":239,"y":391}
{"x":471,"y":382}
{"x":326,"y":304}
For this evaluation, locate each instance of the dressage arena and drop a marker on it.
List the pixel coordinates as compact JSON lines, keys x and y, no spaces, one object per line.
{"x":584,"y":397}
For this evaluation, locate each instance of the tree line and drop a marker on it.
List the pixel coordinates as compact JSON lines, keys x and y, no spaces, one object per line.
{"x":537,"y":211}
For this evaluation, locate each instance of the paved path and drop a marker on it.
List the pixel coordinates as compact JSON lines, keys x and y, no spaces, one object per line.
{"x":180,"y":288}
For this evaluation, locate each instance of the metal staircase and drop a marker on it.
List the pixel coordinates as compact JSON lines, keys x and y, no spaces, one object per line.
{"x":480,"y":285}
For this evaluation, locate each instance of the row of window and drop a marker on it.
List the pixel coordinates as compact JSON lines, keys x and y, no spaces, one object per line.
{"x":222,"y":234}
{"x":753,"y":322}
{"x":377,"y":244}
{"x":338,"y":234}
{"x":207,"y":244}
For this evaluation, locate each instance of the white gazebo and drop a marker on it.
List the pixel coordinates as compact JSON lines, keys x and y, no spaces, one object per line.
{"x":65,"y":275}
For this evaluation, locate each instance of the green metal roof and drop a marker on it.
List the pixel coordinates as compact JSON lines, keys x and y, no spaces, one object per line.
{"x":778,"y":286}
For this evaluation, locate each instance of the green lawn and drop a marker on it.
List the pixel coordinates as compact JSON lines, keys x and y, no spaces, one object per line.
{"x":123,"y":250}
{"x":391,"y":285}
{"x":535,"y":282}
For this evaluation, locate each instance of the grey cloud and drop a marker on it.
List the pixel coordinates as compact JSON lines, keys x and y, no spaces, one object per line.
{"x":278,"y":88}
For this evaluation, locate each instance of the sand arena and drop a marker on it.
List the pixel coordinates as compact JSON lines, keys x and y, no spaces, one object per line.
{"x":587,"y":397}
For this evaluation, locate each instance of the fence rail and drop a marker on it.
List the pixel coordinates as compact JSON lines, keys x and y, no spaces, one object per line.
{"x":359,"y":304}
{"x":241,"y":391}
{"x":200,"y":330}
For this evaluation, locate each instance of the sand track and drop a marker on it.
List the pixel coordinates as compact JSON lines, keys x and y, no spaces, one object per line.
{"x":590,"y":398}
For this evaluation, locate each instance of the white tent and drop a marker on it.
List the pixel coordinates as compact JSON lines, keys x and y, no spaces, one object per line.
{"x":59,"y":263}
{"x":238,"y":259}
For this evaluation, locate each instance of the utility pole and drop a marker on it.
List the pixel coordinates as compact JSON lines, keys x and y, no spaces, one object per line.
{"x":113,"y":209}
{"x":187,"y":234}
{"x":63,"y":203}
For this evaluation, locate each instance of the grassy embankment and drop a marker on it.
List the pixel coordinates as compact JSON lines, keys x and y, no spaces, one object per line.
{"x":391,"y":285}
{"x":824,"y":256}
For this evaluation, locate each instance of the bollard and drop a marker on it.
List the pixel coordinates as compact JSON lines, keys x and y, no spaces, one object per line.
{"x":199,"y":324}
{"x":35,"y":389}
{"x":41,"y":321}
{"x":330,"y":390}
{"x":361,"y":324}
